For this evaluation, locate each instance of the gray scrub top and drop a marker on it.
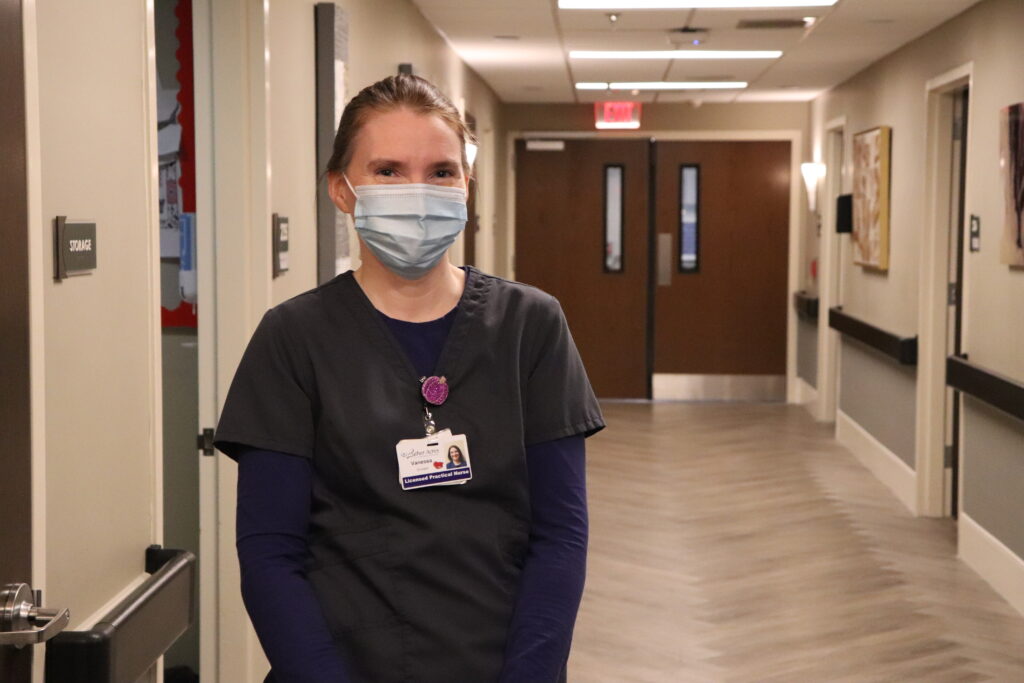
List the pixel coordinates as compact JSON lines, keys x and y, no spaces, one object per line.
{"x":415,"y":585}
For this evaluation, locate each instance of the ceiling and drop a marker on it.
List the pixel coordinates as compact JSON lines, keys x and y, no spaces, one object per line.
{"x":521,"y":47}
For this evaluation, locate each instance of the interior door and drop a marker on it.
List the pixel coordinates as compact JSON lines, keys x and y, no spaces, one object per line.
{"x":80,"y":403}
{"x":722,"y":252}
{"x":582,"y":236}
{"x":15,"y":397}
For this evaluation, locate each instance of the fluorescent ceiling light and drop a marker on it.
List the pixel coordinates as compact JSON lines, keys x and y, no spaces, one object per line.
{"x":665,"y":85}
{"x":675,"y":54}
{"x":690,"y":4}
{"x":679,"y":85}
{"x":618,"y":125}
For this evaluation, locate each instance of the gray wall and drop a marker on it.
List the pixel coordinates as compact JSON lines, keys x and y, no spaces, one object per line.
{"x":807,"y":351}
{"x":880,"y":395}
{"x":993,"y":469}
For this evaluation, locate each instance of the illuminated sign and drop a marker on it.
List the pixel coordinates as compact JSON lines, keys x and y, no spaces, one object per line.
{"x":616,"y":115}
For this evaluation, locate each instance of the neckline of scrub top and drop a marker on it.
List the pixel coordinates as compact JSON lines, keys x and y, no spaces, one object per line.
{"x":474,"y":294}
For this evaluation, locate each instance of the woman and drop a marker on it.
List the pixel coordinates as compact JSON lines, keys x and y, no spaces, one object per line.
{"x":360,"y":563}
{"x":455,"y":458}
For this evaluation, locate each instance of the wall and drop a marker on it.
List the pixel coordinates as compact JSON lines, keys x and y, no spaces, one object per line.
{"x":892,"y":92}
{"x":382,"y":35}
{"x":676,"y":116}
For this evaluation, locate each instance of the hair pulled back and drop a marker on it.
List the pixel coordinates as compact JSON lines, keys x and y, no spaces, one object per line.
{"x":395,"y":92}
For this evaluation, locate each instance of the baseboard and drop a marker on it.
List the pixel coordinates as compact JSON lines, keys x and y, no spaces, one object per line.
{"x":806,"y":394}
{"x":883,"y":463}
{"x":997,"y":564}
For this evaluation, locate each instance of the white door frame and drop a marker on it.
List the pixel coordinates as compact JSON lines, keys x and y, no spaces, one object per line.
{"x":796,"y":212}
{"x":932,"y":297}
{"x":202,"y":40}
{"x":830,"y":267}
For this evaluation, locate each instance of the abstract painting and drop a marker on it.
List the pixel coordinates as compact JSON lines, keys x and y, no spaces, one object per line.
{"x":871,"y":163}
{"x":1011,"y":147}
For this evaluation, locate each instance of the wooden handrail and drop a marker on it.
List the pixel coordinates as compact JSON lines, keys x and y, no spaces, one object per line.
{"x":995,"y":389}
{"x":806,"y":306}
{"x":901,"y":349}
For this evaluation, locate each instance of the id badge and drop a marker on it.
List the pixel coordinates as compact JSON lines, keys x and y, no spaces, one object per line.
{"x":438,"y":460}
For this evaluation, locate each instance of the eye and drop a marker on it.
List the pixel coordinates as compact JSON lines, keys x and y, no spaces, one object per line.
{"x":445,"y":173}
{"x":386,"y":172}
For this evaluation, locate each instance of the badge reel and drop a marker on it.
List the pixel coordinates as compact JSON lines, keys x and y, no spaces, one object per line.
{"x":440,"y":458}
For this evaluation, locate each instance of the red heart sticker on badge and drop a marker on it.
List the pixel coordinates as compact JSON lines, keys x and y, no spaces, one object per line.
{"x":438,"y":465}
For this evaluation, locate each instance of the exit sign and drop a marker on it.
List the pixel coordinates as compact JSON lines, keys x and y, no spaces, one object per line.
{"x":616,"y":115}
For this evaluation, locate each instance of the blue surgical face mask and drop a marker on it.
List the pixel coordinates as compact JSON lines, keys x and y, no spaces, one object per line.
{"x":409,"y":226}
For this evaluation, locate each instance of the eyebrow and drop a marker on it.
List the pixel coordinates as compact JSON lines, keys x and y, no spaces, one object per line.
{"x":444,"y":163}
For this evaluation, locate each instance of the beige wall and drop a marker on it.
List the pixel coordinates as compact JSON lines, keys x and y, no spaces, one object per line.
{"x":681,"y":116}
{"x":382,"y":35}
{"x":893,"y":92}
{"x":97,"y":162}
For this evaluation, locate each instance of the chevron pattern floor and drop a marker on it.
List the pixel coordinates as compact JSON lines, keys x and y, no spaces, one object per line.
{"x":735,"y":543}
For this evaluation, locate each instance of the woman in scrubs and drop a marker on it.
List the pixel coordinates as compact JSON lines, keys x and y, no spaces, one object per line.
{"x":363,"y":557}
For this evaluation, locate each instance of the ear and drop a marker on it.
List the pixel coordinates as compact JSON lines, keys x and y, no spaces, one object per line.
{"x":338,"y":190}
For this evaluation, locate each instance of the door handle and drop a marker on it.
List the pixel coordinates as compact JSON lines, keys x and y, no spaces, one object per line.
{"x":22,"y":622}
{"x":664,"y":259}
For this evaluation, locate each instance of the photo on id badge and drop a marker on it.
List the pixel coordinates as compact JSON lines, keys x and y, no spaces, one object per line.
{"x":438,"y":460}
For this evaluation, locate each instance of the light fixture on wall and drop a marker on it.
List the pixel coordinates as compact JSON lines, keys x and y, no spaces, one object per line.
{"x":664,"y":85}
{"x":813,"y":172}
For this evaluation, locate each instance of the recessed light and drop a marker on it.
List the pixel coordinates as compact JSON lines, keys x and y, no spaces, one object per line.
{"x":690,"y":4}
{"x":591,"y":86}
{"x":675,"y":54}
{"x":506,"y":37}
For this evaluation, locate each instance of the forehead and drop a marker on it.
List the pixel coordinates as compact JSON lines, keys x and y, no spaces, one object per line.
{"x":408,"y":135}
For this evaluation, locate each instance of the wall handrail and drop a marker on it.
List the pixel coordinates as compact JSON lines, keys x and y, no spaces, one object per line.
{"x":806,"y":306}
{"x":901,"y":349}
{"x":995,"y":389}
{"x":129,"y":639}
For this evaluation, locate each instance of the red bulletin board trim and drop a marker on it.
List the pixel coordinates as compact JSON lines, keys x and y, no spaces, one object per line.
{"x":182,"y":316}
{"x":186,"y":100}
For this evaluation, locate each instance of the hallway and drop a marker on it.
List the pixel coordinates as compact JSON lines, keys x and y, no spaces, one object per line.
{"x":742,"y":543}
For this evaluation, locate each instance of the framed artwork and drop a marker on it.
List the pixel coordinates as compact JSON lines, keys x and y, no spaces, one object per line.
{"x":1011,"y":161}
{"x":871,"y":165}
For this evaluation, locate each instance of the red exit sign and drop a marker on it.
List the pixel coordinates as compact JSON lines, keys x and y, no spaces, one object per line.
{"x":616,"y":115}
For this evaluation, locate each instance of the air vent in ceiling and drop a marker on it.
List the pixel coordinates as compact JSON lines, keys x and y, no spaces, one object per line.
{"x":771,"y":23}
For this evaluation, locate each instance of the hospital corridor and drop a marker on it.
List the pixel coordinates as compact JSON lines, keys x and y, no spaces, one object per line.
{"x":512,"y":341}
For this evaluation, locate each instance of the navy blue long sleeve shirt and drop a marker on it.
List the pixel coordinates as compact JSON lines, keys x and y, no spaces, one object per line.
{"x":273,"y":514}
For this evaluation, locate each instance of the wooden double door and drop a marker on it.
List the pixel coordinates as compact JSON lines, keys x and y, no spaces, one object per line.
{"x":668,"y":257}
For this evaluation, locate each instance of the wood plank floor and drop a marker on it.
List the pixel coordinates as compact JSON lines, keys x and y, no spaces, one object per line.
{"x":741,"y":543}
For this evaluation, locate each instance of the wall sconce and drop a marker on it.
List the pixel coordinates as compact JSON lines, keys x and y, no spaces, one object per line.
{"x":813,"y":172}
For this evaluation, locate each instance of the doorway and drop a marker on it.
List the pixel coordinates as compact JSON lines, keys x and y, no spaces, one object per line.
{"x":175,"y":100}
{"x":674,"y":281}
